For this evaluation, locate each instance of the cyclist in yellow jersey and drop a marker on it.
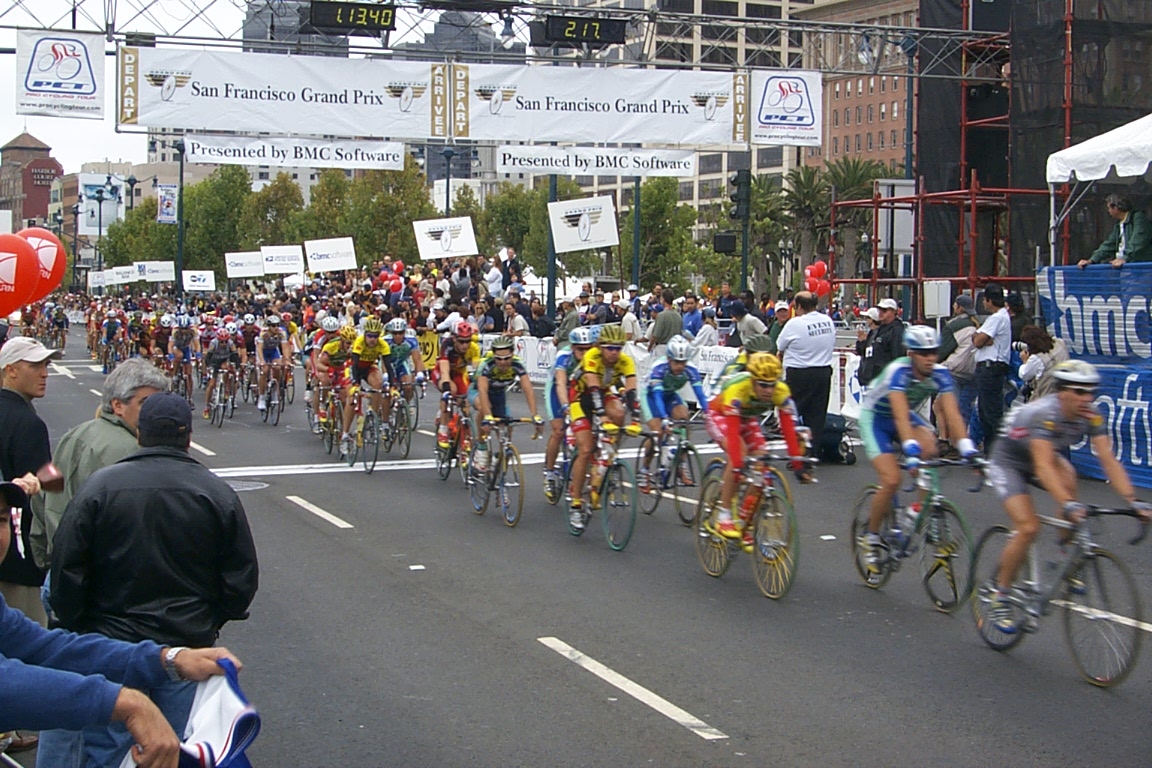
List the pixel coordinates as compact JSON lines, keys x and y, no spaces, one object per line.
{"x":597,"y":381}
{"x":368,"y":351}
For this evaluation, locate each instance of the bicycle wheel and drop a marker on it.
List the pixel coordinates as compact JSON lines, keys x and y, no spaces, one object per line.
{"x":777,"y":553}
{"x":290,"y":386}
{"x":354,"y":442}
{"x":275,"y":396}
{"x":444,"y":458}
{"x":649,"y":492}
{"x":388,"y":436}
{"x":861,"y":511}
{"x":413,"y":402}
{"x":1102,"y":620}
{"x":985,"y":568}
{"x":231,"y":397}
{"x":245,"y":383}
{"x":280,"y":401}
{"x":618,"y":504}
{"x":686,"y":481}
{"x":945,"y":545}
{"x":464,"y":451}
{"x":371,"y":447}
{"x":477,"y":484}
{"x":220,"y":406}
{"x":328,"y":423}
{"x":711,"y":548}
{"x":402,"y":437}
{"x":510,"y":486}
{"x":781,"y":481}
{"x":268,"y":407}
{"x":563,"y":467}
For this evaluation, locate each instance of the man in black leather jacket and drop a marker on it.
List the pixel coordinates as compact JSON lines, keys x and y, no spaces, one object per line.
{"x":153,"y":547}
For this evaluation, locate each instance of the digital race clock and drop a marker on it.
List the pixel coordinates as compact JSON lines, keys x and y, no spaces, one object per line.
{"x":367,"y":18}
{"x":584,"y":29}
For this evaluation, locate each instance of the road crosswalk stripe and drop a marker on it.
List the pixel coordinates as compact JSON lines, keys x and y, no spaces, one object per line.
{"x":320,"y":513}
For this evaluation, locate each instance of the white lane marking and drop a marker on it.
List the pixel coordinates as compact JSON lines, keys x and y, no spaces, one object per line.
{"x":827,"y":537}
{"x":428,"y":432}
{"x":415,"y":567}
{"x":1096,"y":613}
{"x":327,"y":516}
{"x":61,"y":369}
{"x":96,"y":368}
{"x":636,"y":691}
{"x":202,"y":449}
{"x":96,"y":392}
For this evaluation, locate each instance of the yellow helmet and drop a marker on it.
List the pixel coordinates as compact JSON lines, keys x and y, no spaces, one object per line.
{"x":373,"y":326}
{"x":612,"y":335}
{"x":348,"y":333}
{"x":764,"y":366}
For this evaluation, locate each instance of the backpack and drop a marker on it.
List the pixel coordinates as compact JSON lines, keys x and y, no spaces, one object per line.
{"x":835,"y":444}
{"x":962,"y":363}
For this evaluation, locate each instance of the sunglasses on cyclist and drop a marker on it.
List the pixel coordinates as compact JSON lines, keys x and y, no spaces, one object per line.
{"x":502,"y":358}
{"x":611,"y":347}
{"x":765,"y":384}
{"x":924,"y":352}
{"x":1082,"y":391}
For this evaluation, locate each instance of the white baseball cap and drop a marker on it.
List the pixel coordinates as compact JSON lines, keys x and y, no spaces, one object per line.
{"x":872,"y":313}
{"x":25,"y":349}
{"x":888,"y":304}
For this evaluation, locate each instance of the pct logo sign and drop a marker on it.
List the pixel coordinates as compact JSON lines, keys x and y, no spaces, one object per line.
{"x":789,"y":109}
{"x":63,"y":75}
{"x":785,"y":102}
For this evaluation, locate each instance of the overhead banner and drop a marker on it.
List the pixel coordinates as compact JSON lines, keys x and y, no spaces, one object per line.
{"x":331,"y":255}
{"x":244,"y":264}
{"x":282,"y":259}
{"x":199,"y":280}
{"x":787,"y":107}
{"x":511,"y":102}
{"x":95,"y":279}
{"x":445,"y":238}
{"x":60,"y":74}
{"x":101,"y":202}
{"x":166,"y":203}
{"x":289,"y":152}
{"x":578,"y":225}
{"x":156,"y":271}
{"x":323,"y":95}
{"x":599,"y":161}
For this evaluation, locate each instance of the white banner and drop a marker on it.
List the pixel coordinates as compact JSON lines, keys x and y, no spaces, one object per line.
{"x":109,"y":277}
{"x":156,"y":271}
{"x":331,"y":255}
{"x":512,"y":102}
{"x":599,"y":161}
{"x":290,"y":152}
{"x":588,"y":222}
{"x":244,"y":264}
{"x":445,"y":238}
{"x":258,"y":92}
{"x":282,"y":259}
{"x":95,"y":279}
{"x":60,"y":74}
{"x":101,"y":202}
{"x":166,"y":195}
{"x":125,"y":275}
{"x":787,"y":107}
{"x":199,"y":280}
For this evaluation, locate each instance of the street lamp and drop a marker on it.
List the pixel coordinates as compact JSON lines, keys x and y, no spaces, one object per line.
{"x":179,"y":147}
{"x":131,"y":182}
{"x":75,"y":239}
{"x":448,"y":154}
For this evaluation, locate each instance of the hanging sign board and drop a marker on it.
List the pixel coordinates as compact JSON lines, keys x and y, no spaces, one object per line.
{"x":282,"y":259}
{"x":445,"y":238}
{"x":583,"y":224}
{"x":244,"y":264}
{"x":330,"y":255}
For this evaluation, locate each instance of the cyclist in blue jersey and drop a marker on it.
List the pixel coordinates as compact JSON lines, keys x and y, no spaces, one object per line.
{"x":889,"y":424}
{"x":557,"y":412}
{"x":404,"y":353}
{"x":662,"y":399}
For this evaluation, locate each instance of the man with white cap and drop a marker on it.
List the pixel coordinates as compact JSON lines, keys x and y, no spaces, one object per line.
{"x":634,"y":299}
{"x":886,"y":343}
{"x":629,"y":321}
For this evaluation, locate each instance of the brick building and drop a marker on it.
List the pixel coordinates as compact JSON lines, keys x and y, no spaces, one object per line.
{"x":27,"y":170}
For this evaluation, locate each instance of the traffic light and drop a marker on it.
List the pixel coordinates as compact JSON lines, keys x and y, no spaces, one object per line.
{"x":742,"y":196}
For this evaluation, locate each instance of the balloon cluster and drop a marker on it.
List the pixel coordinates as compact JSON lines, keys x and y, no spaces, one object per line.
{"x":814,"y":279}
{"x":32,"y":264}
{"x":393,"y":277}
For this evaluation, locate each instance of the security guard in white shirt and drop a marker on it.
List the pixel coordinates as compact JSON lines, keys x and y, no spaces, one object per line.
{"x":993,"y":342}
{"x":805,"y":343}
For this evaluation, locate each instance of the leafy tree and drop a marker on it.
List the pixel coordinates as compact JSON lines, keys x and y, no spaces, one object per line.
{"x":212,"y":210}
{"x":768,"y":225}
{"x":852,"y":178}
{"x":137,"y":237}
{"x":806,"y":201}
{"x":507,"y":215}
{"x":381,"y":208}
{"x":326,"y":211}
{"x":266,"y":217}
{"x":534,"y":252}
{"x":666,"y":245}
{"x":466,"y":204}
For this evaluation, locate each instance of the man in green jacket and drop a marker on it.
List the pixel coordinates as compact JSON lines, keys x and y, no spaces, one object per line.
{"x":1130,"y":240}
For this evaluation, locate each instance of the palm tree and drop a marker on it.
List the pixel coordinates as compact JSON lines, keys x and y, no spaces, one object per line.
{"x":806,"y":201}
{"x":852,"y":179}
{"x":767,"y":229}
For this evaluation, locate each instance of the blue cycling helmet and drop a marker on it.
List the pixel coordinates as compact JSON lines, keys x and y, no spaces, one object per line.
{"x":595,"y":331}
{"x":581,"y":337}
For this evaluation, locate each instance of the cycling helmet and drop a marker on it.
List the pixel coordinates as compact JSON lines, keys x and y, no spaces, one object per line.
{"x":1076,"y":372}
{"x":373,"y":326}
{"x":396,"y":325}
{"x":286,"y":317}
{"x":330,"y":324}
{"x":272,"y":320}
{"x":231,"y":328}
{"x":229,"y":318}
{"x":758,"y":342}
{"x":122,"y":314}
{"x":921,"y":337}
{"x":184,"y":321}
{"x":679,"y":348}
{"x":612,"y":334}
{"x":249,"y":319}
{"x":348,"y":333}
{"x":581,"y":337}
{"x":595,"y":330}
{"x":166,"y":321}
{"x":222,"y":334}
{"x":764,"y":366}
{"x":464,"y":331}
{"x":503,"y":342}
{"x":111,"y":315}
{"x":209,"y":318}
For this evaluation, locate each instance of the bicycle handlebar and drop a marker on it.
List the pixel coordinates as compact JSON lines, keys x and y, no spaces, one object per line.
{"x":1095,"y":511}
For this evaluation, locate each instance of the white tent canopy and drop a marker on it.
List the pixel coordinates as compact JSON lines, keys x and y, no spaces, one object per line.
{"x":1124,"y":152}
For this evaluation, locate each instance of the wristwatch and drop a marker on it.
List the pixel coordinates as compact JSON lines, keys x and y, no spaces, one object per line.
{"x":170,"y":663}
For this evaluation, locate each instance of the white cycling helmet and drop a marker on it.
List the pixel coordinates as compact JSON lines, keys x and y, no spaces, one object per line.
{"x":166,"y":321}
{"x":396,"y":325}
{"x":921,"y":337}
{"x":230,"y":327}
{"x":581,"y":336}
{"x":320,"y":317}
{"x":330,"y":324}
{"x":1076,"y":372}
{"x":249,"y":319}
{"x":679,"y":348}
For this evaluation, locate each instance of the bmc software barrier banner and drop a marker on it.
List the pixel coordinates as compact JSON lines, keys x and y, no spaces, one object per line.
{"x":584,"y":223}
{"x":599,"y":161}
{"x":445,"y":238}
{"x":244,"y":264}
{"x":331,"y":255}
{"x":258,"y":92}
{"x":514,"y":102}
{"x":285,"y":151}
{"x":786,"y":107}
{"x":282,"y":259}
{"x":156,"y":271}
{"x":60,"y":74}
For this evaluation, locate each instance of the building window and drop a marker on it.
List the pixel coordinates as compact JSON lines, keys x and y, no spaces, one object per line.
{"x":871,"y":85}
{"x":871,"y":113}
{"x":835,"y":118}
{"x":870,"y":147}
{"x":880,"y":138}
{"x":262,"y":175}
{"x":895,"y":83}
{"x":770,"y":157}
{"x":711,"y":163}
{"x":883,"y":112}
{"x":859,"y":86}
{"x":859,"y":115}
{"x":847,"y":116}
{"x":163,"y":157}
{"x":295,"y":176}
{"x":883,"y":84}
{"x":857,"y":142}
{"x":895,"y":110}
{"x":686,"y":188}
{"x":835,"y":145}
{"x":837,"y":91}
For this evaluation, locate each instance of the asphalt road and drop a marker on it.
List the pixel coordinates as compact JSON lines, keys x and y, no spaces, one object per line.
{"x":424,"y":635}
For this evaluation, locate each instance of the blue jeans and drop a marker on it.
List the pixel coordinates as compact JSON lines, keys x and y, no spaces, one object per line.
{"x":58,"y":749}
{"x":106,"y":746}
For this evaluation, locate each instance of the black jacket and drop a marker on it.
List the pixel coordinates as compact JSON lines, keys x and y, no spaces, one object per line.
{"x":886,"y":344}
{"x":24,"y":448}
{"x":154,"y":547}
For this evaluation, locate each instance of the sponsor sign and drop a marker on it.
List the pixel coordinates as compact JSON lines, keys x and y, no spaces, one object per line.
{"x":330,"y":255}
{"x":290,"y":152}
{"x":101,"y":202}
{"x":578,"y":225}
{"x":60,"y":74}
{"x":445,"y":238}
{"x":282,"y":259}
{"x":199,"y":280}
{"x":109,"y":277}
{"x":1123,"y":399}
{"x":231,"y":91}
{"x":786,"y":107}
{"x":599,"y":161}
{"x":156,"y":271}
{"x":124,"y":275}
{"x":244,"y":264}
{"x":511,"y":102}
{"x":166,"y":198}
{"x":95,"y":279}
{"x":1104,"y":315}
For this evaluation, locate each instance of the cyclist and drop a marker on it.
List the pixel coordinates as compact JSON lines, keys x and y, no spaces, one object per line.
{"x":598,"y":380}
{"x":733,"y":421}
{"x":368,"y":351}
{"x":60,"y":327}
{"x":219,"y":354}
{"x":889,"y":424}
{"x":182,"y":345}
{"x":328,"y":331}
{"x":458,"y":352}
{"x":332,"y":372}
{"x":111,"y":331}
{"x":1031,"y":450}
{"x":271,"y":350}
{"x":488,"y":393}
{"x":662,"y":394}
{"x":160,"y":336}
{"x":406,"y":358}
{"x":250,"y":331}
{"x":556,"y":402}
{"x":142,"y":340}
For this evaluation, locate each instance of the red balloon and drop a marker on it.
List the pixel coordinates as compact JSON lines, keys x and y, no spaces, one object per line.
{"x":808,"y":272}
{"x":819,"y":269}
{"x":397,"y":266}
{"x":396,"y":285}
{"x":823,"y":287}
{"x":19,"y":272}
{"x":811,"y":284}
{"x":53,"y":259}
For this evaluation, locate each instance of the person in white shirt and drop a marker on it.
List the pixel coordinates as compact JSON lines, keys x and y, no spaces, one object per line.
{"x":629,"y":322}
{"x":747,"y":324}
{"x":993,"y":342}
{"x":495,"y":278}
{"x":709,"y":334}
{"x":805,"y":344}
{"x":514,"y":322}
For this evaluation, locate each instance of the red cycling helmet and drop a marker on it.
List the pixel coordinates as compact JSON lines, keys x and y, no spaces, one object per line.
{"x":229,"y":318}
{"x":464,"y":331}
{"x":222,"y":334}
{"x":286,"y":317}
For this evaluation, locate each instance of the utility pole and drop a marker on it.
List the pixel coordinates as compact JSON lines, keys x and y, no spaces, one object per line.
{"x":742,"y":211}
